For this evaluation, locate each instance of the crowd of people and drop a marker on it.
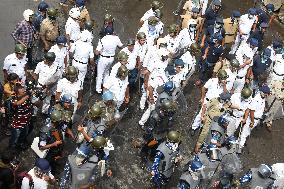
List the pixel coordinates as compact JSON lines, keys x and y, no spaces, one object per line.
{"x":239,"y":77}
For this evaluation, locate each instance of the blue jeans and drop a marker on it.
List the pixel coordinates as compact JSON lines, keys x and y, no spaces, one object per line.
{"x":18,"y":136}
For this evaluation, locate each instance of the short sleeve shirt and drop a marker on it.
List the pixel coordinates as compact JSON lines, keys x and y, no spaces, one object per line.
{"x":66,"y":87}
{"x":117,"y":87}
{"x":214,"y":89}
{"x":147,"y":14}
{"x":14,"y":65}
{"x":108,"y":44}
{"x":72,"y":28}
{"x":257,"y":104}
{"x":245,"y":24}
{"x":82,"y":51}
{"x":60,"y":54}
{"x":46,"y":73}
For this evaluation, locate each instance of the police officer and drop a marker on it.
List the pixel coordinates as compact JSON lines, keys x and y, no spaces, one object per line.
{"x":253,"y":114}
{"x":155,"y":5}
{"x":212,"y":13}
{"x":172,"y":38}
{"x":106,"y":49}
{"x":108,"y":23}
{"x":88,"y":28}
{"x":140,"y":48}
{"x":246,"y":24}
{"x":84,"y":13}
{"x":165,"y":159}
{"x":61,"y":52}
{"x":40,"y":15}
{"x":122,"y":59}
{"x":72,"y":86}
{"x":265,"y":15}
{"x":49,"y":29}
{"x":258,"y":34}
{"x":187,"y":35}
{"x":72,"y":26}
{"x":176,"y":73}
{"x":82,"y":53}
{"x":51,"y":138}
{"x":16,"y":63}
{"x":257,"y":177}
{"x":90,"y":161}
{"x":191,"y":178}
{"x":231,"y":26}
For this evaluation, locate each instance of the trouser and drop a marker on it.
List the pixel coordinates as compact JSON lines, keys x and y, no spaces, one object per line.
{"x":30,"y":64}
{"x":103,"y":68}
{"x":274,"y":110}
{"x":238,"y":42}
{"x":19,"y":136}
{"x":234,"y":123}
{"x":205,"y":130}
{"x":197,"y":121}
{"x":82,"y":69}
{"x":147,"y":113}
{"x":206,"y":71}
{"x":239,"y":84}
{"x":246,"y":130}
{"x":143,"y":98}
{"x":133,"y":77}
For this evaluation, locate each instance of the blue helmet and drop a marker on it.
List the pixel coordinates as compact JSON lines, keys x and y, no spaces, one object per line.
{"x":231,"y":141}
{"x":223,"y":121}
{"x":253,"y":42}
{"x":179,"y":62}
{"x":66,"y":99}
{"x":236,"y":14}
{"x":169,"y":86}
{"x":107,"y":95}
{"x":196,"y":165}
{"x":43,"y":165}
{"x":270,"y":7}
{"x":252,"y":11}
{"x":61,"y":40}
{"x":80,"y":3}
{"x":42,"y":6}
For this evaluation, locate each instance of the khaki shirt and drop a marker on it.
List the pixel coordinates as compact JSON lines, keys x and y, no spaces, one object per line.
{"x":230,"y":30}
{"x":213,"y":108}
{"x":50,"y":30}
{"x":185,"y":18}
{"x":84,"y":16}
{"x":277,"y":89}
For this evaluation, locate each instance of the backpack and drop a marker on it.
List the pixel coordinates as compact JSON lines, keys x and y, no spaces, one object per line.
{"x":21,"y":176}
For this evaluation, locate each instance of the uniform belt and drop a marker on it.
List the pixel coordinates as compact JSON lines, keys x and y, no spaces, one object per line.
{"x":278,"y":74}
{"x":238,"y":77}
{"x":256,"y":118}
{"x":72,"y":41}
{"x":107,"y":56}
{"x":235,"y":116}
{"x":79,"y":61}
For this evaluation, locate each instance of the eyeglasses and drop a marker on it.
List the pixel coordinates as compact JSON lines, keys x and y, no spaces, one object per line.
{"x":180,"y":67}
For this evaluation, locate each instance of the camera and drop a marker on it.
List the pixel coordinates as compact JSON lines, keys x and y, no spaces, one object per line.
{"x":14,"y":163}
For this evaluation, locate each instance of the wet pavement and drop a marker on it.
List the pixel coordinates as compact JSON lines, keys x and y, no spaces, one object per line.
{"x":263,"y":147}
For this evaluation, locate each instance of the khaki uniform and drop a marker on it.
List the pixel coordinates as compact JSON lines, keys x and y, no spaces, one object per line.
{"x":49,"y":31}
{"x":223,"y":64}
{"x":213,"y":109}
{"x":231,"y":30}
{"x":108,"y":113}
{"x":185,"y":18}
{"x":84,"y":16}
{"x":277,"y":96}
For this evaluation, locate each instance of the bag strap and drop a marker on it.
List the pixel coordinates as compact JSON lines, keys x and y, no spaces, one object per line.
{"x":31,"y":182}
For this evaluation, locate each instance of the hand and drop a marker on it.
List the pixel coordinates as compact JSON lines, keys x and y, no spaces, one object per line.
{"x":109,"y":173}
{"x":202,"y":119}
{"x":46,"y":177}
{"x":126,"y":100}
{"x":46,"y":47}
{"x":201,"y":45}
{"x":58,"y":142}
{"x":80,"y":128}
{"x":251,"y":124}
{"x":2,"y":110}
{"x":79,"y":105}
{"x":151,"y":100}
{"x":203,"y":57}
{"x":243,"y":121}
{"x":201,"y":101}
{"x":152,"y":173}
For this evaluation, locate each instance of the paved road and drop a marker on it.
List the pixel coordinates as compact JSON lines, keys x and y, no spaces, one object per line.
{"x":263,"y":146}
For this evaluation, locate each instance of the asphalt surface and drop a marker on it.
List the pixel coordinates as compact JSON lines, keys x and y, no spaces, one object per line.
{"x":263,"y":147}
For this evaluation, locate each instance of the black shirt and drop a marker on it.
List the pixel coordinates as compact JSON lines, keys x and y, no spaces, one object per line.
{"x":258,"y":67}
{"x":214,"y":54}
{"x":259,"y":35}
{"x":209,"y":32}
{"x":210,"y":17}
{"x":6,"y":178}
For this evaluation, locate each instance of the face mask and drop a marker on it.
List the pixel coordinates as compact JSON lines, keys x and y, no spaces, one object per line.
{"x":152,"y":28}
{"x":218,"y":26}
{"x":250,"y":16}
{"x":192,"y":28}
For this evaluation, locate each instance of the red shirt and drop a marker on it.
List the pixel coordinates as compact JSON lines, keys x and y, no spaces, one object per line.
{"x":22,"y":113}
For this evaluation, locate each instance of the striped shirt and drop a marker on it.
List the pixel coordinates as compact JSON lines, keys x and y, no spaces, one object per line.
{"x":24,"y":33}
{"x":22,"y":114}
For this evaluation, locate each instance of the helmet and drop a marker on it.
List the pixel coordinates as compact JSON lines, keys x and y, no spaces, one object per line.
{"x":169,"y":86}
{"x":219,"y":20}
{"x":158,"y":13}
{"x":222,"y":74}
{"x":212,"y":152}
{"x":156,"y":5}
{"x":141,"y":35}
{"x":20,"y":49}
{"x":252,"y":11}
{"x":179,"y":62}
{"x":246,"y":92}
{"x":95,"y":111}
{"x":195,"y":48}
{"x":236,"y":14}
{"x":107,"y":95}
{"x":55,"y":115}
{"x":225,"y":96}
{"x":153,"y":21}
{"x":122,"y":71}
{"x":173,"y":28}
{"x":99,"y":142}
{"x":52,"y":12}
{"x":267,"y":52}
{"x":223,"y":121}
{"x":50,"y":56}
{"x":195,"y":10}
{"x":253,"y":42}
{"x":235,"y":63}
{"x":168,"y":105}
{"x":61,"y":40}
{"x":217,"y":2}
{"x":264,"y":170}
{"x":74,"y":13}
{"x":43,"y":165}
{"x":89,"y":25}
{"x":174,"y":136}
{"x":27,"y":14}
{"x":122,"y":56}
{"x":192,"y":23}
{"x":42,"y":6}
{"x":130,"y":42}
{"x":270,"y":7}
{"x":80,"y":3}
{"x":66,"y":98}
{"x":108,"y":18}
{"x":196,"y":165}
{"x":161,"y":42}
{"x":71,"y":73}
{"x":264,"y":25}
{"x":109,"y":30}
{"x":231,"y":141}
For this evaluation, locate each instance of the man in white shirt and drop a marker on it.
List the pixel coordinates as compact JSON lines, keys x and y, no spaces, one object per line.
{"x":41,"y":176}
{"x":247,"y":23}
{"x":155,"y":5}
{"x":172,"y":38}
{"x":106,"y":49}
{"x":83,"y":53}
{"x":72,"y":26}
{"x":253,"y":114}
{"x":16,"y":63}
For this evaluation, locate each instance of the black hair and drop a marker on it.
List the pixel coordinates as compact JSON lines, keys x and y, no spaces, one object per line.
{"x":12,"y":77}
{"x":18,"y":87}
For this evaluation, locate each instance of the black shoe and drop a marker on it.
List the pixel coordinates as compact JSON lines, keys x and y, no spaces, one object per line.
{"x":192,"y":132}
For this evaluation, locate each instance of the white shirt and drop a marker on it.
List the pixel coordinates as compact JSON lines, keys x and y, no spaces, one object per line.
{"x":14,"y":65}
{"x":66,"y":87}
{"x":278,"y":68}
{"x":117,"y":87}
{"x":114,"y":69}
{"x":82,"y":51}
{"x":147,"y":14}
{"x":244,"y":50}
{"x":150,"y":56}
{"x":257,"y":104}
{"x":72,"y":28}
{"x":172,"y":43}
{"x":90,"y":36}
{"x":236,"y":100}
{"x":140,"y":50}
{"x":245,"y":24}
{"x":177,"y":78}
{"x":47,"y":74}
{"x":152,"y":32}
{"x":214,"y":89}
{"x":185,"y":38}
{"x":157,"y":79}
{"x":189,"y":61}
{"x":39,"y":183}
{"x":108,"y":44}
{"x":131,"y":58}
{"x":231,"y":79}
{"x":60,"y":54}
